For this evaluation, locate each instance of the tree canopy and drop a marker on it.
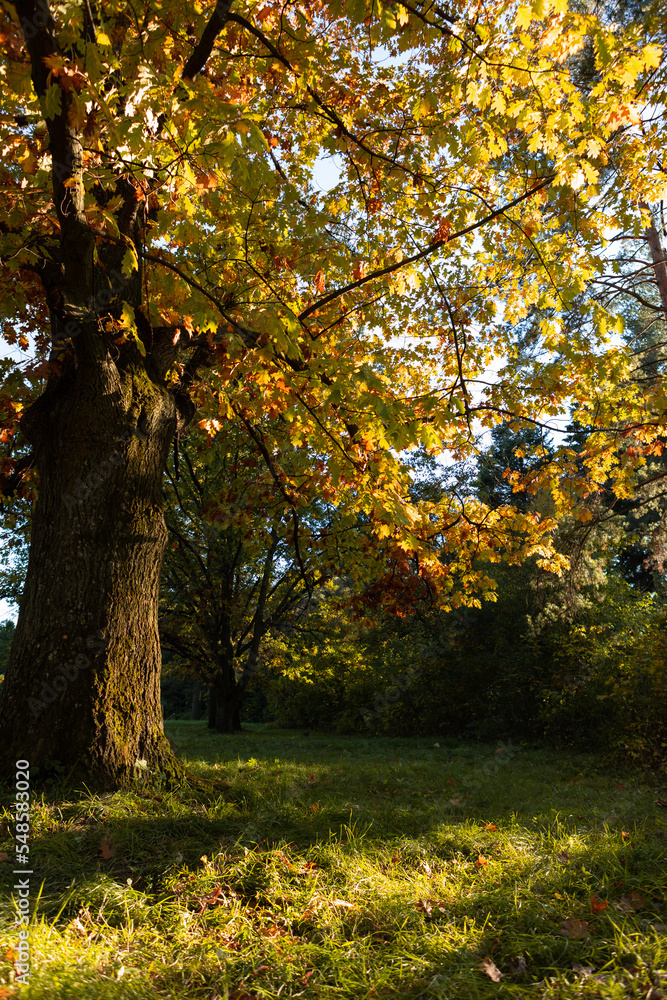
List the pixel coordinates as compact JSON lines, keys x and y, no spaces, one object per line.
{"x":166,"y":246}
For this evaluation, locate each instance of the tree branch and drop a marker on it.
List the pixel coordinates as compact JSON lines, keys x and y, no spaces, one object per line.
{"x":421,"y":254}
{"x":204,"y":46}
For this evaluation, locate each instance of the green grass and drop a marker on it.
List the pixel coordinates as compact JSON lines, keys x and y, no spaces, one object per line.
{"x":350,"y":868}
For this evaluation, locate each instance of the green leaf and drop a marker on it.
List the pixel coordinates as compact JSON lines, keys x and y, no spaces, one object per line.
{"x":53,"y":101}
{"x":130,"y":261}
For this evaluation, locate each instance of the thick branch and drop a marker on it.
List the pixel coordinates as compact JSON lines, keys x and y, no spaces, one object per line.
{"x":204,"y":46}
{"x":426,"y":252}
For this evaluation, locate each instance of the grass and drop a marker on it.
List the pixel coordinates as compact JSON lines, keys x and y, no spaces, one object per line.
{"x":336,"y":867}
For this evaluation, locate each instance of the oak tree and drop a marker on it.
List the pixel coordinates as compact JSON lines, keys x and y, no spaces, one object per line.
{"x":165,"y":246}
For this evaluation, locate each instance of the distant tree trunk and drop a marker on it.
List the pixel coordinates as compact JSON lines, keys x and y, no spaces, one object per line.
{"x":196,"y":709}
{"x":658,"y":260}
{"x":228,"y":695}
{"x":211,"y":706}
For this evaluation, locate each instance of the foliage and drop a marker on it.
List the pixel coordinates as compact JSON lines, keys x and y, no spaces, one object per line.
{"x":6,"y":637}
{"x":354,"y":867}
{"x":579,"y":662}
{"x":474,"y":167}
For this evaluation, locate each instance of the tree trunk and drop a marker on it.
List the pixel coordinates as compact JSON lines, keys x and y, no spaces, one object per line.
{"x":211,"y":706}
{"x":228,"y":695}
{"x":82,"y":685}
{"x":196,"y":710}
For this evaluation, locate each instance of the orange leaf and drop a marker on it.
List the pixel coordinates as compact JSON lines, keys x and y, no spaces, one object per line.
{"x":490,"y":826}
{"x":598,"y":905}
{"x":319,"y":282}
{"x":481,"y":861}
{"x":359,"y":272}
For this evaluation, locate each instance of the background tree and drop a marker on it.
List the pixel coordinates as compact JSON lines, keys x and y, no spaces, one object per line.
{"x":240,"y":564}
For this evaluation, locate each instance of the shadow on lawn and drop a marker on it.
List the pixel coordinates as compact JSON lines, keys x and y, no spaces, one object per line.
{"x":476,"y":850}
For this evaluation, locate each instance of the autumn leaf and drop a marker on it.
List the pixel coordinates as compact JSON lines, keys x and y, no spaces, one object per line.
{"x":576,"y":929}
{"x":490,"y":826}
{"x":212,"y":899}
{"x":441,"y":235}
{"x":424,"y":906}
{"x":631,"y":903}
{"x":490,"y":969}
{"x":598,"y":905}
{"x":4,"y":856}
{"x":106,"y":852}
{"x":319,"y":282}
{"x":481,"y":861}
{"x":359,"y":272}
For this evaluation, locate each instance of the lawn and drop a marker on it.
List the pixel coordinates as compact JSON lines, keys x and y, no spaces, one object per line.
{"x":343,"y":867}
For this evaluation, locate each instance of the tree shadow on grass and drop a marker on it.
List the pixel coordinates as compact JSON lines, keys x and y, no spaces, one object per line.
{"x":530,"y":861}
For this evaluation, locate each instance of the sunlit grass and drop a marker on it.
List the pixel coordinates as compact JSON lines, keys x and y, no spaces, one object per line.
{"x":351,"y":868}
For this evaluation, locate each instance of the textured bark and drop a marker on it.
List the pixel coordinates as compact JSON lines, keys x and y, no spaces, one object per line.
{"x":659,"y":265}
{"x":82,"y":682}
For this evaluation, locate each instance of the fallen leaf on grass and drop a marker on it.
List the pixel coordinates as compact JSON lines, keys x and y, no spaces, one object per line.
{"x":662,"y":803}
{"x":490,"y":969}
{"x":517,"y":966}
{"x":576,"y":929}
{"x":317,"y":902}
{"x":583,"y":970}
{"x":424,"y":906}
{"x":598,"y":905}
{"x":77,"y":925}
{"x":212,"y":899}
{"x":634,"y":901}
{"x":4,"y":856}
{"x":481,"y":861}
{"x":563,"y":856}
{"x":273,"y":931}
{"x":490,"y":826}
{"x":106,"y":851}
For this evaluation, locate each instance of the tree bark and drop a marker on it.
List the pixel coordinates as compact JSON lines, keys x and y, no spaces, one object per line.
{"x":196,"y":710}
{"x":82,"y":685}
{"x":658,"y":260}
{"x":211,"y":706}
{"x":228,"y":694}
